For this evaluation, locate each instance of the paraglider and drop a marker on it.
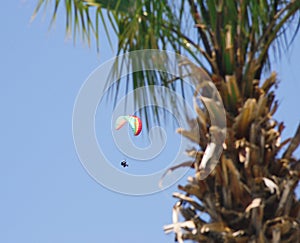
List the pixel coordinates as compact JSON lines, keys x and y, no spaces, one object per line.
{"x":124,"y":163}
{"x":134,"y":122}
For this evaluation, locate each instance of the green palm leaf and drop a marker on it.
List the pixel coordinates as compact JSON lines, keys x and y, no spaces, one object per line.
{"x":223,"y":37}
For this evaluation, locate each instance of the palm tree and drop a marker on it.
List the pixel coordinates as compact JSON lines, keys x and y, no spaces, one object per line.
{"x":250,"y":195}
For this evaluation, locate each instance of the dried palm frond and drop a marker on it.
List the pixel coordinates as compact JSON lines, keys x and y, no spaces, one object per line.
{"x":250,"y":195}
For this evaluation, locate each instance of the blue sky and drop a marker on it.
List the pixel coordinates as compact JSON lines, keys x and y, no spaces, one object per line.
{"x":46,"y":195}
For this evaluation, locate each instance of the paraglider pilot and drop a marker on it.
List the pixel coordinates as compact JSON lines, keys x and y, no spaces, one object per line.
{"x":124,"y":163}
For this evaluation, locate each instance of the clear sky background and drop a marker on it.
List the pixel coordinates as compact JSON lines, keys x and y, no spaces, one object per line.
{"x":45,"y":193}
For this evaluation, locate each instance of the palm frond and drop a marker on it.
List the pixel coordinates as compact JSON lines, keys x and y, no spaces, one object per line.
{"x":223,"y":37}
{"x":250,"y":195}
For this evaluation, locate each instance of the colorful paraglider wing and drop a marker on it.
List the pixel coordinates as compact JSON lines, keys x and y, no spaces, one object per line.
{"x":134,"y":122}
{"x":136,"y":125}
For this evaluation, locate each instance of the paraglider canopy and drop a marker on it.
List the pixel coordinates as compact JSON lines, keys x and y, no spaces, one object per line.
{"x":134,"y":122}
